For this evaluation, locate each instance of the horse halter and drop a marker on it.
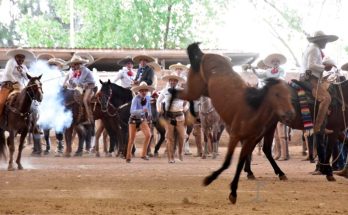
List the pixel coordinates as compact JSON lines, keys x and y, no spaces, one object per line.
{"x":34,"y":91}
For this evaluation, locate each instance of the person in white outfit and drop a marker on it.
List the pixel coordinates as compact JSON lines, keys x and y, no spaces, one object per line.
{"x":125,"y":76}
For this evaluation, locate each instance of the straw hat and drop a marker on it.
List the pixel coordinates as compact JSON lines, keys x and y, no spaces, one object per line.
{"x":173,"y":75}
{"x":142,"y":86}
{"x":155,"y":66}
{"x":126,"y":60}
{"x":173,"y":67}
{"x":76,"y":59}
{"x":319,"y":35}
{"x":137,"y":58}
{"x":44,"y":56}
{"x":328,"y":61}
{"x":29,"y":56}
{"x":268,"y":60}
{"x":345,"y":67}
{"x":86,"y":56}
{"x":58,"y":62}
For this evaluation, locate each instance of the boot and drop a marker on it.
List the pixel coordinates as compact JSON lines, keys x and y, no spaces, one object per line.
{"x":343,"y":172}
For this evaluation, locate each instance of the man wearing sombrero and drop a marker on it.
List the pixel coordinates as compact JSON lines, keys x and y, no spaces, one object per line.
{"x":175,"y":116}
{"x":144,"y":73}
{"x":81,"y":76}
{"x":313,"y":67}
{"x":14,"y":77}
{"x":126,"y":75}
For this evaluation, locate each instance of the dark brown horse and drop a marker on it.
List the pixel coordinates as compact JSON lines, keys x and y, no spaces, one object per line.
{"x":16,"y":118}
{"x":246,"y":111}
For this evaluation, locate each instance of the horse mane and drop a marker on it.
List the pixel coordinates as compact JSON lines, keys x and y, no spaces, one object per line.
{"x":195,"y":55}
{"x":255,"y":96}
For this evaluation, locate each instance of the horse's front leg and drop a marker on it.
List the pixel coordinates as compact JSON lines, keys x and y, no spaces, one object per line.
{"x":20,"y":149}
{"x":247,"y":148}
{"x":11,"y":146}
{"x":68,"y":139}
{"x":327,"y":169}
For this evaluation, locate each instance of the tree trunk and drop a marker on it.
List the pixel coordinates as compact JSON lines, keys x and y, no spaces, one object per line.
{"x":167,"y":26}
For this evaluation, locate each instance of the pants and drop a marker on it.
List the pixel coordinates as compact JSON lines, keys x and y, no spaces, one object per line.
{"x":181,"y":132}
{"x":320,"y":92}
{"x":86,"y":100}
{"x":144,"y":127}
{"x":59,"y":137}
{"x":281,"y":149}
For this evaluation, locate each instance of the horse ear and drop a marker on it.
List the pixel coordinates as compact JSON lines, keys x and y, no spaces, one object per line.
{"x":109,"y":82}
{"x":39,"y":77}
{"x":28,"y":76}
{"x":101,"y":81}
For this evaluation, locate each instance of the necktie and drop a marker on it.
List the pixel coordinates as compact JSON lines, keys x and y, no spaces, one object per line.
{"x":130,"y":73}
{"x":322,"y":54}
{"x":274,"y":70}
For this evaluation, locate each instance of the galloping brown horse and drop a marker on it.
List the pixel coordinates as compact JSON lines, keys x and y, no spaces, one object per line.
{"x":245,"y":110}
{"x":16,"y":118}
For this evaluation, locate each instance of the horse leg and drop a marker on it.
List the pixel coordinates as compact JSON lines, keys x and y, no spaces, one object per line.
{"x":247,"y":167}
{"x":81,"y":133}
{"x":2,"y":144}
{"x":68,"y":139}
{"x":247,"y":148}
{"x":162,"y":132}
{"x":205,"y":138}
{"x":20,"y":149}
{"x":11,"y":146}
{"x":267,"y":149}
{"x":98,"y":133}
{"x":105,"y":141}
{"x":332,"y":138}
{"x":231,"y":146}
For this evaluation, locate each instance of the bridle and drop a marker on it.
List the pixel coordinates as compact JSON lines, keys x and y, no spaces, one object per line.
{"x":109,"y":108}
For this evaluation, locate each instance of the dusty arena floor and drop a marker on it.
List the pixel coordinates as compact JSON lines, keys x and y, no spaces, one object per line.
{"x":89,"y":185}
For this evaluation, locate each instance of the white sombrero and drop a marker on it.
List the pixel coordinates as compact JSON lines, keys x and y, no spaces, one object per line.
{"x":142,"y":86}
{"x":345,"y":67}
{"x":319,"y":35}
{"x":29,"y":56}
{"x":155,"y":66}
{"x":329,"y":61}
{"x":177,"y":66}
{"x":58,"y":62}
{"x":137,"y":58}
{"x":173,"y":75}
{"x":268,"y":60}
{"x":76,"y":59}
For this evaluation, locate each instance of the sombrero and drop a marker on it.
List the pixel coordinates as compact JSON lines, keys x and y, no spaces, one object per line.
{"x":126,"y":60}
{"x":173,"y":67}
{"x":319,"y":35}
{"x":76,"y":59}
{"x":268,"y":60}
{"x":137,"y":58}
{"x":345,"y":67}
{"x":173,"y":75}
{"x":155,"y":66}
{"x":58,"y":62}
{"x":328,"y":61}
{"x":44,"y":56}
{"x":142,"y":86}
{"x":29,"y":56}
{"x":86,"y":56}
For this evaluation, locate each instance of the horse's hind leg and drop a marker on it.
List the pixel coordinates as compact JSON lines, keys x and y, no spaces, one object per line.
{"x":231,"y":146}
{"x":247,"y":167}
{"x":20,"y":149}
{"x":11,"y":146}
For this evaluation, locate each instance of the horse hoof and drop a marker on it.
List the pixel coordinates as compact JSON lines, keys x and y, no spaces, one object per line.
{"x":97,"y":154}
{"x":283,"y":178}
{"x":67,"y":155}
{"x":204,"y":157}
{"x":208,"y":180}
{"x":330,"y":178}
{"x":20,"y":167}
{"x":233,"y":199}
{"x":11,"y":168}
{"x":251,"y":177}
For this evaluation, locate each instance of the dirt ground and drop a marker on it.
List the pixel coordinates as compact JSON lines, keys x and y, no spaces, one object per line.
{"x":89,"y":185}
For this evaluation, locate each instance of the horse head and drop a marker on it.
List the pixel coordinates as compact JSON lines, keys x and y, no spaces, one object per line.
{"x":34,"y":88}
{"x":275,"y":95}
{"x":114,"y":94}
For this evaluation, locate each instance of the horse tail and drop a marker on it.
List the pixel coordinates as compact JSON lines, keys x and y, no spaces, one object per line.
{"x":195,"y":55}
{"x":2,"y":144}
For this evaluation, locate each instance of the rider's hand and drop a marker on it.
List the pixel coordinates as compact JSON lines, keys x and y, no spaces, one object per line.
{"x":328,"y":67}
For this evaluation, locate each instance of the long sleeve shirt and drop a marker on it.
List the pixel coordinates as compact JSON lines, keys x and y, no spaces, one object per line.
{"x":178,"y":105}
{"x":137,"y":109}
{"x":13,"y":73}
{"x":83,"y":78}
{"x":124,"y":78}
{"x":269,"y":73}
{"x":313,"y":60}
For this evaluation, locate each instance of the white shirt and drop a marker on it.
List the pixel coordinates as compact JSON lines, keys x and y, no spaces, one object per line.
{"x":124,"y":80}
{"x":312,"y":60}
{"x":263,"y":75}
{"x":12,"y":74}
{"x":177,"y":105}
